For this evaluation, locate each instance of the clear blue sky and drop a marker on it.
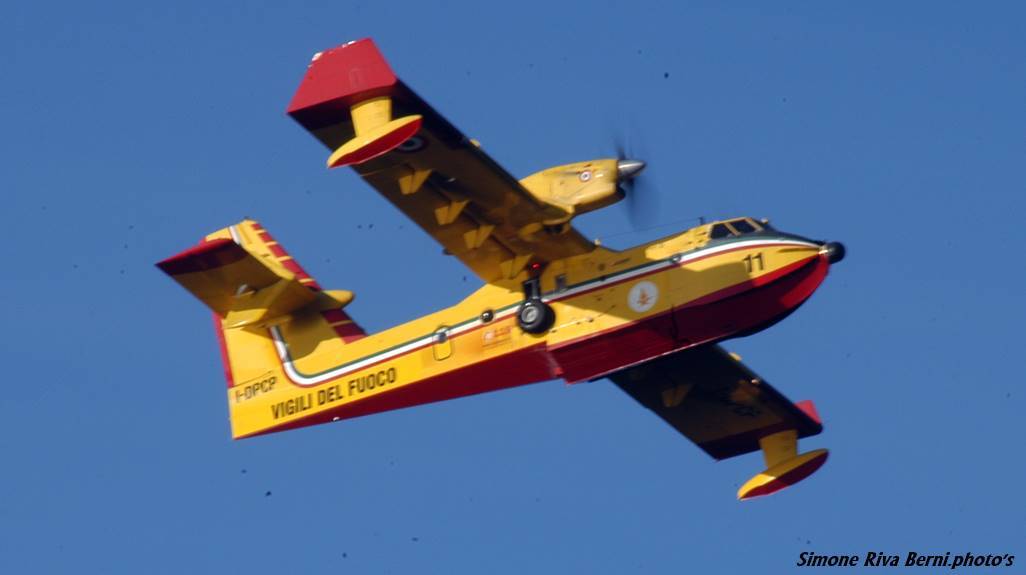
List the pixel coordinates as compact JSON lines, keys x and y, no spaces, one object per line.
{"x":130,"y":129}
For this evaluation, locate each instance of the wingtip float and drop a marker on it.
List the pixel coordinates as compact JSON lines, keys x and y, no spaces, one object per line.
{"x":354,"y":77}
{"x":784,"y":466}
{"x":555,"y":305}
{"x":783,"y":475}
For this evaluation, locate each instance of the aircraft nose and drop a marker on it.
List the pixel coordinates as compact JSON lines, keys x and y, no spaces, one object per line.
{"x":834,"y":251}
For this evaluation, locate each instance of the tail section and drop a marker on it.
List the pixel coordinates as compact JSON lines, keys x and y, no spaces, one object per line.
{"x":256,"y":289}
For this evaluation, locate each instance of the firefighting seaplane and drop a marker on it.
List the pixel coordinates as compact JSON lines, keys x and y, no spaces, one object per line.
{"x":554,"y":305}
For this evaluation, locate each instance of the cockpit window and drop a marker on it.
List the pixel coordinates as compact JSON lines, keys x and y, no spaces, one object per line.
{"x":720,"y":231}
{"x":743,"y":227}
{"x":736,"y":227}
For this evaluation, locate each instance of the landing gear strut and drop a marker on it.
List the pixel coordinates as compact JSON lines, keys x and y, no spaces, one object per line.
{"x":534,"y":315}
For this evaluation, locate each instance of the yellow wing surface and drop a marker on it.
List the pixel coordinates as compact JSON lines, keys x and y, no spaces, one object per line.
{"x":246,"y":287}
{"x":246,"y":278}
{"x":356,"y":106}
{"x":721,"y":405}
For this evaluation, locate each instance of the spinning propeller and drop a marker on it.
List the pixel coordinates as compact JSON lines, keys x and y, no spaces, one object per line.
{"x":628,"y":172}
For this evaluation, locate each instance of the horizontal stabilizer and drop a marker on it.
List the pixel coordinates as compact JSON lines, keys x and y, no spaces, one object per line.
{"x":239,"y":286}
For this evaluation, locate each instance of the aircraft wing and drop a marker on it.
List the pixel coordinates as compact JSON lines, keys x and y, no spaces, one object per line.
{"x":714,"y":400}
{"x":355,"y":105}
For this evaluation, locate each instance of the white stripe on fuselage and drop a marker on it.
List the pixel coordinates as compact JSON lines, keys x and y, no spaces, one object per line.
{"x":681,"y":259}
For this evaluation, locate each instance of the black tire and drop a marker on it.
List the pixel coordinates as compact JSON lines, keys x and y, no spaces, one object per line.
{"x":535,"y":316}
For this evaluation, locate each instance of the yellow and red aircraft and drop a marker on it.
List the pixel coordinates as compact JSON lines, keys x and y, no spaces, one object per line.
{"x":554,"y":304}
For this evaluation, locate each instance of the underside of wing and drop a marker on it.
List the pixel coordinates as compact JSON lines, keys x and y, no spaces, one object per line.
{"x":714,"y":400}
{"x":353,"y":103}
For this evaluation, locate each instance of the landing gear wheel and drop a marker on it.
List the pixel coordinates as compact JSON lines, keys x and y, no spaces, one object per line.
{"x":535,"y":316}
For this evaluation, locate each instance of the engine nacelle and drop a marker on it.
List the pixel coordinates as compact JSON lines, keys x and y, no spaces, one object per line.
{"x":577,"y":188}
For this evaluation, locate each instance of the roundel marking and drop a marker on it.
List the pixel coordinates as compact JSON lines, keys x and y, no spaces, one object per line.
{"x":643,"y":296}
{"x":585,"y":175}
{"x":412,"y":144}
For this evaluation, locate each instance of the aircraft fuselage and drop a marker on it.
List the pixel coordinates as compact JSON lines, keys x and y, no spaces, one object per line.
{"x":613,"y":309}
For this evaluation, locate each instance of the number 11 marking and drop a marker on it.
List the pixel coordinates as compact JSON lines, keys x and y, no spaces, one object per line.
{"x":751,"y":260}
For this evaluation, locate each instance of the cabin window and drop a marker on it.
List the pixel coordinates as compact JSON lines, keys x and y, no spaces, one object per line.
{"x":743,"y":227}
{"x":561,"y":283}
{"x":720,"y":231}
